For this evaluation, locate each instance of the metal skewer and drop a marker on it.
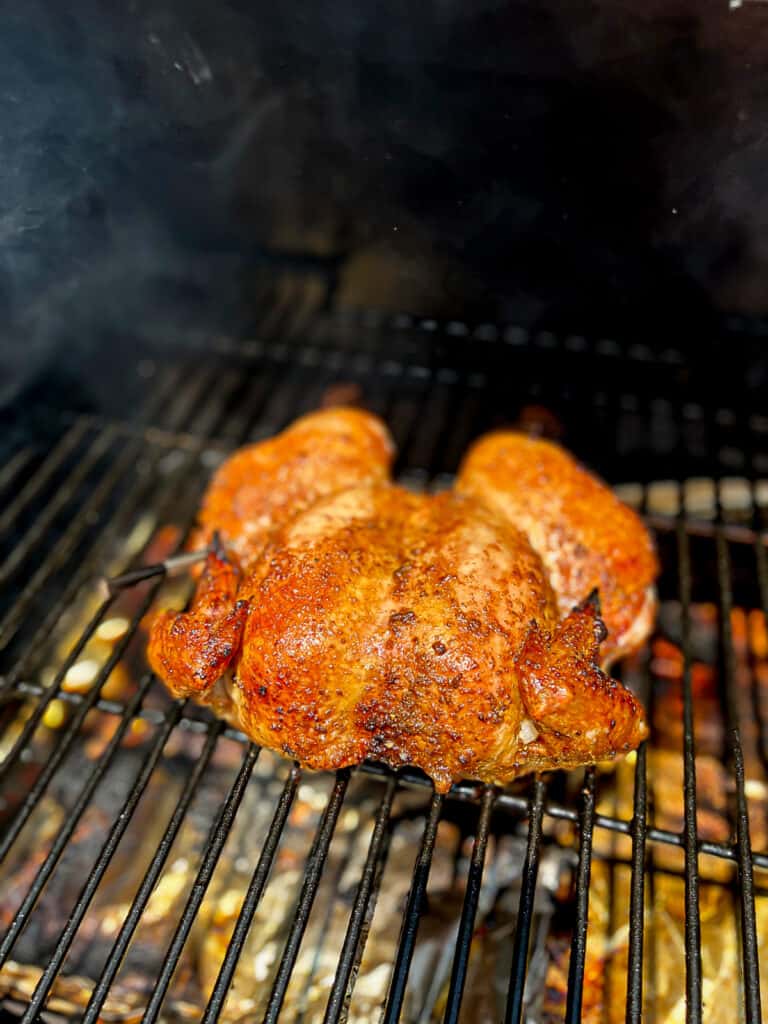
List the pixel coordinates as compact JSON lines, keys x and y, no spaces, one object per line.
{"x":173,"y":566}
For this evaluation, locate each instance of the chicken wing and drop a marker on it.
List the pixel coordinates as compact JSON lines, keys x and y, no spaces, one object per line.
{"x":587,"y":538}
{"x":411,"y":629}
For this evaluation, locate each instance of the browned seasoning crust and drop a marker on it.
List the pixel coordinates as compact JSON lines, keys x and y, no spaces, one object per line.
{"x":586,"y":537}
{"x":269,"y":482}
{"x":411,"y":629}
{"x":191,"y":652}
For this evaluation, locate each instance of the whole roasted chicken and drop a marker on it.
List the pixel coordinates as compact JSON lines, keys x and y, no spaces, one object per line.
{"x":340,"y":617}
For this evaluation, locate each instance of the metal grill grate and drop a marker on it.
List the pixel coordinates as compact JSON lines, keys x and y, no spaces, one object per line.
{"x":105,"y":494}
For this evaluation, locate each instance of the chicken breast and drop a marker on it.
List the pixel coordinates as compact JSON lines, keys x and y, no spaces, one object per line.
{"x":411,"y":629}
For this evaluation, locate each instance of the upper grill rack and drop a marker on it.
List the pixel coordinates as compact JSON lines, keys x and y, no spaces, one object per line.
{"x":65,"y":516}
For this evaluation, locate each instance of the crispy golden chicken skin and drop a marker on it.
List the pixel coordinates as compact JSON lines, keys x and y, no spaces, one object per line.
{"x":587,"y":538}
{"x":411,"y":629}
{"x":265,"y":484}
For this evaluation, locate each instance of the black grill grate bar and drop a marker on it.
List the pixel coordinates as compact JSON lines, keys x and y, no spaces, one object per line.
{"x":68,"y":734}
{"x":215,"y":844}
{"x":35,"y":532}
{"x":81,"y":524}
{"x":242,"y":420}
{"x":463,"y":423}
{"x":192,"y":392}
{"x":313,"y":296}
{"x":519,"y":804}
{"x":464,"y":792}
{"x":693,"y":979}
{"x":640,"y":860}
{"x":185,"y":391}
{"x":151,"y":876}
{"x":14,"y":467}
{"x":519,"y":970}
{"x":735,"y":532}
{"x":579,"y":940}
{"x":206,"y":415}
{"x":48,"y":693}
{"x":57,"y":557}
{"x":51,"y":463}
{"x":312,"y":874}
{"x":36,"y":647}
{"x":749,"y":951}
{"x":115,"y":527}
{"x":66,"y":447}
{"x":71,"y":821}
{"x":507,"y":800}
{"x":761,"y":565}
{"x":283,"y":303}
{"x":412,"y":915}
{"x":436,"y":423}
{"x":280,"y":407}
{"x":407,"y":424}
{"x":122,"y":820}
{"x":637,"y":891}
{"x":362,"y":910}
{"x":469,"y":908}
{"x":252,"y":897}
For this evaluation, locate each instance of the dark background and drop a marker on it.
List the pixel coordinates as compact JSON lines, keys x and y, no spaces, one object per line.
{"x":583,"y":166}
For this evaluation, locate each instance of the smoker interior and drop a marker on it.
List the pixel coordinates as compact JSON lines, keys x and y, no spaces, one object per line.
{"x":103,"y":775}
